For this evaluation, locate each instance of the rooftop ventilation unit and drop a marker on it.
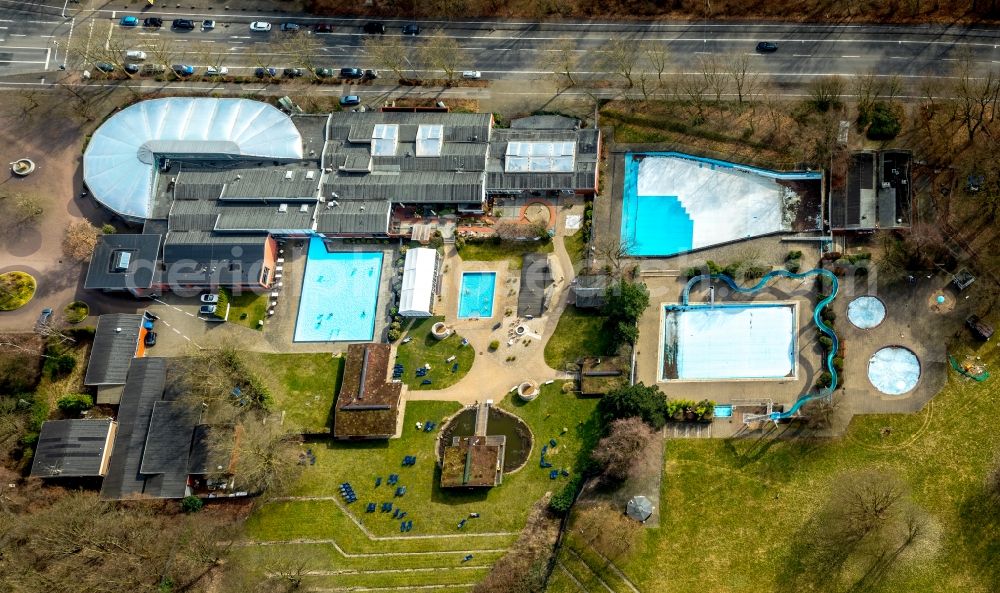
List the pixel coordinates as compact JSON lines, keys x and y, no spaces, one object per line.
{"x":288,"y":175}
{"x":310,"y":174}
{"x":304,"y":208}
{"x":283,"y":208}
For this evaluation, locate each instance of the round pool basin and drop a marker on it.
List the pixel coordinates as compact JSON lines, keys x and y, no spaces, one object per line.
{"x":894,"y":370}
{"x":866,"y":312}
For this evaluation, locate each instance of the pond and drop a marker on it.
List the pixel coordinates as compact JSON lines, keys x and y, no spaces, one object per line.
{"x":499,"y":423}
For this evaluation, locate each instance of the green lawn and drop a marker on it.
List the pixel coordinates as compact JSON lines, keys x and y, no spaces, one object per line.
{"x":578,"y":333}
{"x":426,"y":349}
{"x":246,"y":309}
{"x":433,"y":561}
{"x":575,"y":246}
{"x":731,"y":508}
{"x":512,"y":250}
{"x":304,"y":386}
{"x":16,"y":289}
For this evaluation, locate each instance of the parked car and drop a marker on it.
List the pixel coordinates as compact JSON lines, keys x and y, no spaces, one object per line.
{"x":153,"y":68}
{"x":324,"y":72}
{"x":472,"y":74}
{"x":45,"y":317}
{"x":350,"y":100}
{"x":150,"y":339}
{"x":207,"y":24}
{"x":767,"y":47}
{"x":136,"y":55}
{"x":152,"y":21}
{"x":411,"y":29}
{"x":293,"y":72}
{"x":375,"y":28}
{"x":132,"y":68}
{"x":260,"y":26}
{"x":183,"y":24}
{"x":371,"y":74}
{"x":323,"y":28}
{"x":207,"y":309}
{"x":264,"y":72}
{"x":216,"y":71}
{"x":129,"y":21}
{"x":182,"y":69}
{"x":210,"y":298}
{"x":351,"y":73}
{"x":105,"y":66}
{"x":290,"y":27}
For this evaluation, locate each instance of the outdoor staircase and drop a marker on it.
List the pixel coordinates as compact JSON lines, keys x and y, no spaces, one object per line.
{"x":689,"y":430}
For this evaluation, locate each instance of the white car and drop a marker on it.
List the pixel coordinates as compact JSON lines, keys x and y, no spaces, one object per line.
{"x":135,"y":55}
{"x":260,"y":26}
{"x":213,"y":71}
{"x":472,"y":74}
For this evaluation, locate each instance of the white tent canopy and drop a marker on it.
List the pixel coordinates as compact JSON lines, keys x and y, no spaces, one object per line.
{"x":419,"y":281}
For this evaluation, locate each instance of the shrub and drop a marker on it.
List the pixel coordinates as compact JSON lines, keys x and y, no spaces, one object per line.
{"x":562,"y":501}
{"x":59,"y":365}
{"x":495,"y":344}
{"x":824,"y":380}
{"x":647,"y":402}
{"x":826,"y":342}
{"x":81,"y":333}
{"x":74,"y":403}
{"x":828,"y":314}
{"x":108,"y":229}
{"x":793,"y":266}
{"x":886,"y":122}
{"x":394,"y":334}
{"x":191,"y":504}
{"x":396,"y":325}
{"x":838,"y":363}
{"x":691,"y":272}
{"x":76,"y":312}
{"x":714,"y":268}
{"x":832,"y":256}
{"x":793,"y":255}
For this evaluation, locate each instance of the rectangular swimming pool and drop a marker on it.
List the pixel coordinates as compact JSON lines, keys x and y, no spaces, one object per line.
{"x":729,"y":342}
{"x":475,"y":297}
{"x":339,"y":295}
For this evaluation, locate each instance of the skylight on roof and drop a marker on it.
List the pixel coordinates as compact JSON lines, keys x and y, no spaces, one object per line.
{"x":430,"y":139}
{"x":540,"y":157}
{"x":384,"y":139}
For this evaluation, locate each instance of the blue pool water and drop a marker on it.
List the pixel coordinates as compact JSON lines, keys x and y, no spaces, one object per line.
{"x":656,"y":225}
{"x":339,"y":295}
{"x":475,"y":297}
{"x":723,"y":411}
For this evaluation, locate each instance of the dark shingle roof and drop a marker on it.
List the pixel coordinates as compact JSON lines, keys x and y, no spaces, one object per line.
{"x":435,"y":187}
{"x":367,"y":403}
{"x":536,"y":277}
{"x":354,"y":216}
{"x":143,"y":250}
{"x":72,"y":448}
{"x":115,"y":344}
{"x":198,"y":257}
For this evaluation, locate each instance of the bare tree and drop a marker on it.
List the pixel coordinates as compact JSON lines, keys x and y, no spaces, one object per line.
{"x":612,"y":250}
{"x":20,"y":212}
{"x":562,"y":59}
{"x":714,"y":75}
{"x":693,"y":88}
{"x":868,"y":89}
{"x":975,"y":98}
{"x":388,"y":52}
{"x":441,"y":52}
{"x":620,"y":57}
{"x":511,"y":230}
{"x":617,"y":452}
{"x":745,"y":80}
{"x":658,"y":56}
{"x":303,"y":49}
{"x":826,"y":92}
{"x":80,"y":240}
{"x":606,"y":530}
{"x":262,"y":456}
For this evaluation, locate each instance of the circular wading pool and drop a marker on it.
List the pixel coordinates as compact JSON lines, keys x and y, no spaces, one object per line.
{"x":894,"y":370}
{"x":866,"y":312}
{"x":498,"y":422}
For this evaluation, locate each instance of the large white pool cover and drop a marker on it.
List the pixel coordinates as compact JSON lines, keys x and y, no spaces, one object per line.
{"x":120,"y":160}
{"x":866,"y":312}
{"x":894,"y":370}
{"x":735,"y":342}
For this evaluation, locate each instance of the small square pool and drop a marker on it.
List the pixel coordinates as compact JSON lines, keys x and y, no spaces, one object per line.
{"x":339,"y":295}
{"x":475,"y":297}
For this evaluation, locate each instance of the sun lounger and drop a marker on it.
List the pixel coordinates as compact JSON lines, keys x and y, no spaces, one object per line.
{"x":552,"y":442}
{"x":553,"y":474}
{"x":426,"y":382}
{"x":370,"y":508}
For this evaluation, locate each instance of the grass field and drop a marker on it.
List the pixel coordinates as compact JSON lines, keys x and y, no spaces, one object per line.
{"x":512,"y":250}
{"x":425,"y":348}
{"x":731,"y":508}
{"x":304,"y":387}
{"x":374,"y":557}
{"x":245,"y":309}
{"x":579,"y":333}
{"x":575,"y":246}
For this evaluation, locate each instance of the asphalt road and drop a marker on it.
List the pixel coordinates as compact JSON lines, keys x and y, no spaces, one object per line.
{"x":38,"y":36}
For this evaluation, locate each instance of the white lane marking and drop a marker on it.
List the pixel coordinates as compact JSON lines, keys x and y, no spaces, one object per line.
{"x":19,"y":62}
{"x":48,"y":54}
{"x":47,"y":36}
{"x":18,"y":35}
{"x":177,"y":331}
{"x":898,"y":58}
{"x":801,"y":55}
{"x":850,"y":56}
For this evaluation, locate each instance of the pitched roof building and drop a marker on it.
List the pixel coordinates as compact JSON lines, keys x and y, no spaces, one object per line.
{"x":74,"y":448}
{"x":368,"y":404}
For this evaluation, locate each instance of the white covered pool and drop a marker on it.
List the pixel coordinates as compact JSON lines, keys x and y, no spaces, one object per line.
{"x":866,"y":312}
{"x":729,"y":342}
{"x":894,"y":370}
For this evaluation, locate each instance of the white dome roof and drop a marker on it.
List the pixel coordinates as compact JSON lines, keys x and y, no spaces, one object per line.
{"x":119,"y":163}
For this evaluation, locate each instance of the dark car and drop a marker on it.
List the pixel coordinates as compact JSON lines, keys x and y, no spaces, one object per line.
{"x":183,"y":24}
{"x":182,"y":69}
{"x":767,"y":47}
{"x":350,"y":100}
{"x":293,"y":72}
{"x":352,"y":73}
{"x":45,"y":317}
{"x":152,"y":21}
{"x":132,"y":68}
{"x":150,"y":339}
{"x":375,"y":28}
{"x":207,"y":309}
{"x":371,"y":74}
{"x":324,"y":72}
{"x":105,"y":66}
{"x":323,"y":28}
{"x":411,"y":29}
{"x":263,"y":72}
{"x":290,"y":27}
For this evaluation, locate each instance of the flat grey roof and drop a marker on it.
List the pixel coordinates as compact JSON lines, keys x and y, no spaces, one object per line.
{"x":71,"y":448}
{"x":354,"y":216}
{"x":273,"y":217}
{"x":144,"y":250}
{"x":418,"y":187}
{"x":115,"y":344}
{"x":536,"y":277}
